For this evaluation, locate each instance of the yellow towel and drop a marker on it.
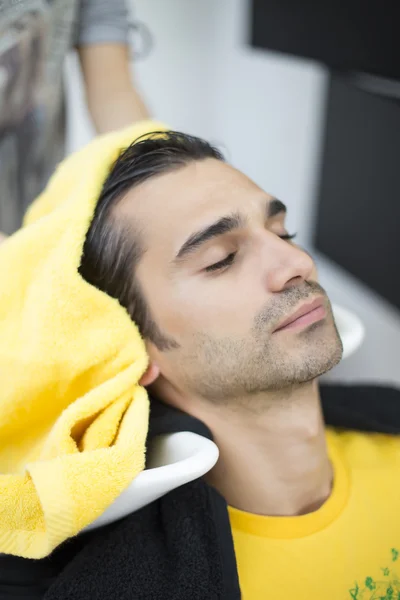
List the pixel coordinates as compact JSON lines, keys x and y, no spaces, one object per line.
{"x":73,"y":419}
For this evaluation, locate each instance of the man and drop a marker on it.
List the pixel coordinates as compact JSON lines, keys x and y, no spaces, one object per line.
{"x":35,"y":37}
{"x":237,"y":330}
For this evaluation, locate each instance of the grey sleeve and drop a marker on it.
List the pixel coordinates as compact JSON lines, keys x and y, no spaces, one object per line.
{"x":101,"y":21}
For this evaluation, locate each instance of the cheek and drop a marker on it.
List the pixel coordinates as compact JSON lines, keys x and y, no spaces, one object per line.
{"x":222,"y":307}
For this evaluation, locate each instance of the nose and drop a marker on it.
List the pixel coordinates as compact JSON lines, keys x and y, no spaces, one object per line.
{"x":288,"y":265}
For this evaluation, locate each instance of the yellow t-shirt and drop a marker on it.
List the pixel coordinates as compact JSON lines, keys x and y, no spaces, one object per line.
{"x":349,"y":549}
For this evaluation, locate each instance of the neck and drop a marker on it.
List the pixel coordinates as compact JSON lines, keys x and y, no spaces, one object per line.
{"x":273,"y":461}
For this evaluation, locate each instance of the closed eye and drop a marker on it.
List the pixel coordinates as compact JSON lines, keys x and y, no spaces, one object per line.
{"x":222,"y":263}
{"x":226,"y":262}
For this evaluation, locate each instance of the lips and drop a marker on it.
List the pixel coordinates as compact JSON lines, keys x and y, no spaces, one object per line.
{"x":308,"y":313}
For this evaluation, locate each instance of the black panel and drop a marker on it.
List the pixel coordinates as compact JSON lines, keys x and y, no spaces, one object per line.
{"x":358,"y":222}
{"x":355,"y":35}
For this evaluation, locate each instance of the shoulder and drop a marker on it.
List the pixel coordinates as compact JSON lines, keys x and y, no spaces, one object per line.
{"x":366,"y":450}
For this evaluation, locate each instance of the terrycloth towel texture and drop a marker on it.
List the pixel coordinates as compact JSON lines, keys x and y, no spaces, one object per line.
{"x":73,"y":419}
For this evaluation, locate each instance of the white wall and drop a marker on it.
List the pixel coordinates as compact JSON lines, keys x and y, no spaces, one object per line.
{"x":266,"y":110}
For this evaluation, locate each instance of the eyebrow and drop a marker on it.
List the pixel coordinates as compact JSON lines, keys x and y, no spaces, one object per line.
{"x":275,"y":207}
{"x":222,"y":226}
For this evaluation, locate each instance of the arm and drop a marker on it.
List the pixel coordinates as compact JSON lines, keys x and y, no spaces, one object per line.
{"x":102,"y":41}
{"x":112,"y":98}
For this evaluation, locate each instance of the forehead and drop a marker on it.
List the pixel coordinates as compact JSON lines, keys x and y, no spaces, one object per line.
{"x":168,"y":207}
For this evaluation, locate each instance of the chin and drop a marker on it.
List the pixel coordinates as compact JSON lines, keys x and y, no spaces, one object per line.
{"x":324,"y":348}
{"x":315,"y":350}
{"x":303,"y":358}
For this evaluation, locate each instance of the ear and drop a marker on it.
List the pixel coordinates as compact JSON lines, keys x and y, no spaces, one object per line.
{"x":151,"y":374}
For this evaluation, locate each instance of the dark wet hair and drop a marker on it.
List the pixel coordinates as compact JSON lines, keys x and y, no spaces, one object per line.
{"x":113,"y":248}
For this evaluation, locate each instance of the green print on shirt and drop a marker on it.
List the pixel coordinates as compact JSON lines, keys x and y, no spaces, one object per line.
{"x":382,"y":589}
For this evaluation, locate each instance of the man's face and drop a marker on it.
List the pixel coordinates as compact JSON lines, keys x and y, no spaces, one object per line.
{"x":219,"y":281}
